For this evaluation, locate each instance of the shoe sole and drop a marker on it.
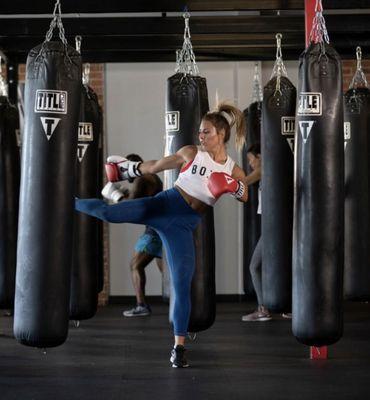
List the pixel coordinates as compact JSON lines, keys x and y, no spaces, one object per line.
{"x":178,"y":366}
{"x":257,"y":320}
{"x":138,"y":315}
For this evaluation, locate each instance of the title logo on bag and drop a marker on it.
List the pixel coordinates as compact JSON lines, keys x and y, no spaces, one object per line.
{"x":51,"y":101}
{"x":287,"y":125}
{"x":172,"y":121}
{"x":305,"y":127}
{"x":288,"y":130}
{"x":85,"y":132}
{"x":347,"y":133}
{"x":49,"y":125}
{"x":309,"y":103}
{"x":81,"y":150}
{"x":168,"y":148}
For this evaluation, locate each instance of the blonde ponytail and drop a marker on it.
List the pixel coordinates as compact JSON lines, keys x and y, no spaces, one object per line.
{"x":225,"y":116}
{"x":237,"y":119}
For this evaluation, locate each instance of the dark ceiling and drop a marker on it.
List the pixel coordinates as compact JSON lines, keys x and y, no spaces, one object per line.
{"x":149,"y":31}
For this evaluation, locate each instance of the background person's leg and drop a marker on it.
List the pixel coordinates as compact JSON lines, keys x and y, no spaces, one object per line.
{"x":255,"y":268}
{"x":137,"y":265}
{"x":261,"y":314}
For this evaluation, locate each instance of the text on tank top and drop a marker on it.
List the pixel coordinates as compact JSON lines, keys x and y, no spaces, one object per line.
{"x":193,"y":177}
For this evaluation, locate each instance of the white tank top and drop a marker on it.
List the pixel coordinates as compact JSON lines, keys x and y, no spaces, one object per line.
{"x":193,"y":177}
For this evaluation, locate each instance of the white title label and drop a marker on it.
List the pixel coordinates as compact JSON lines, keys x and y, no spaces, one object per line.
{"x":81,"y":150}
{"x":347,"y":133}
{"x":85,"y":132}
{"x":49,"y":125}
{"x":172,"y":121}
{"x":287,"y":125}
{"x":309,"y":103}
{"x":305,"y":127}
{"x":51,"y":101}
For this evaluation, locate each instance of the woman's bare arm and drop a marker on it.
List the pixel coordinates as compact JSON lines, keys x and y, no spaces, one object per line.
{"x":185,"y":154}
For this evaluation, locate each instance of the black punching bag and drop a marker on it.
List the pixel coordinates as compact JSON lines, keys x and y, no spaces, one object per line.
{"x":9,"y":195}
{"x":318,"y":233}
{"x":357,"y":179}
{"x":86,"y":252}
{"x":187,"y":102}
{"x":101,"y":223}
{"x":277,"y":141}
{"x":46,"y":206}
{"x":252,"y":220}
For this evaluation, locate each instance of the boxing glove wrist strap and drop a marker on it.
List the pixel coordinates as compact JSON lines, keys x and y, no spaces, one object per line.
{"x":132,"y":169}
{"x":240,"y":191}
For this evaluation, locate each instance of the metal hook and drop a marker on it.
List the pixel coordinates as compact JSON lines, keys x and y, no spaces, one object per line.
{"x":318,"y":3}
{"x":278,"y":37}
{"x":78,"y":40}
{"x":86,"y":74}
{"x":359,"y":57}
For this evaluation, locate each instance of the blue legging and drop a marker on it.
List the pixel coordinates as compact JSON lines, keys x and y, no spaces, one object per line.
{"x":174,"y":220}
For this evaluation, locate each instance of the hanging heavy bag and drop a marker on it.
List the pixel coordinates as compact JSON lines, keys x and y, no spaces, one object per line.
{"x":252,"y":220}
{"x":277,"y":144}
{"x":101,"y":223}
{"x":9,"y":195}
{"x":46,"y":209}
{"x":357,"y":179}
{"x":187,"y":102}
{"x":86,"y":254}
{"x":319,"y":197}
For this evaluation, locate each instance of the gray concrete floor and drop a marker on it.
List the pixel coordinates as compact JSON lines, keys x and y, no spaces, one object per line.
{"x":114,"y":358}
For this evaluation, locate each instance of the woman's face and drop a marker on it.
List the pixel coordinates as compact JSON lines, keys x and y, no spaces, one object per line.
{"x":209,"y":138}
{"x":254,"y":161}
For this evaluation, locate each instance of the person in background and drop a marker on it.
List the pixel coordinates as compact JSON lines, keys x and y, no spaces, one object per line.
{"x":262,"y":314}
{"x":149,"y":245}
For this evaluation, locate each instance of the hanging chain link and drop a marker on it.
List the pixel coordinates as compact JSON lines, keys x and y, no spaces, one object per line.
{"x":279,"y":69}
{"x":185,"y":58}
{"x":319,"y":33}
{"x":78,"y":41}
{"x":56,"y":21}
{"x":86,"y":74}
{"x":359,"y":79}
{"x":3,"y":85}
{"x":86,"y":67}
{"x":257,"y":88}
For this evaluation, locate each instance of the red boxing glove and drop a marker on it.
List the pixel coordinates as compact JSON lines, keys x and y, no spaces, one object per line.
{"x":112,"y":171}
{"x":119,"y":168}
{"x":220,"y":183}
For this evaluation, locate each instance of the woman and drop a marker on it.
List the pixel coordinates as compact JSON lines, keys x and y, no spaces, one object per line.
{"x":206,"y":173}
{"x":262,"y":313}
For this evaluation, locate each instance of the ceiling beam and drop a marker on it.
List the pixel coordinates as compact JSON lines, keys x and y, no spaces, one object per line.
{"x":137,"y":6}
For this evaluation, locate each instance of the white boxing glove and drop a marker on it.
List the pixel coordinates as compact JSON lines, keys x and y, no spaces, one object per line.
{"x":112,"y":192}
{"x":119,"y":168}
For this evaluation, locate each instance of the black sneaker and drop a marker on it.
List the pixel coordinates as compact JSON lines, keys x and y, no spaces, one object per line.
{"x":178,"y":358}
